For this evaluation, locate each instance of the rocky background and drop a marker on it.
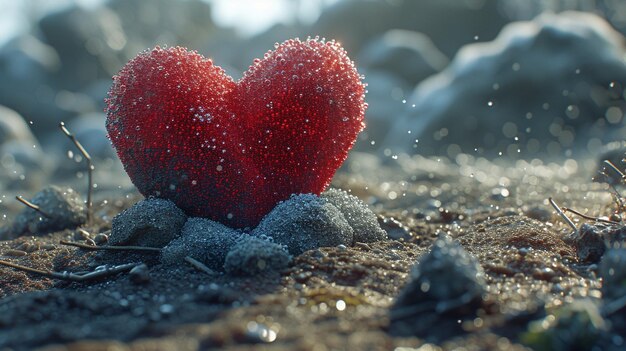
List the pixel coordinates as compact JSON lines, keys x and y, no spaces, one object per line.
{"x":505,"y":78}
{"x":478,"y":111}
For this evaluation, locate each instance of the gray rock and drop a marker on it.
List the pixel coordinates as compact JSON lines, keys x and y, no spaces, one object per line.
{"x":593,"y":240}
{"x":27,"y":65}
{"x":305,"y":222}
{"x":23,"y":166}
{"x":385,"y":93}
{"x":14,"y":127}
{"x":408,"y":55}
{"x":202,"y":239}
{"x":64,"y":207}
{"x":363,"y":221}
{"x":613,"y":273}
{"x":151,"y":222}
{"x":89,"y":43}
{"x":577,"y":325}
{"x":449,"y":23}
{"x":255,"y":255}
{"x":535,"y":88}
{"x":446,"y":285}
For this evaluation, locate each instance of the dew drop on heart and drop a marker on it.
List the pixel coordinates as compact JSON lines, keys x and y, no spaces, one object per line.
{"x":219,"y":168}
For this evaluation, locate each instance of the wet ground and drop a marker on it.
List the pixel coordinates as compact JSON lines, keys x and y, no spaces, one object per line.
{"x":338,"y":298}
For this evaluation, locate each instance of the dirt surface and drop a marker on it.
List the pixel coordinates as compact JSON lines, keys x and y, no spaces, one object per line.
{"x":334,"y":298}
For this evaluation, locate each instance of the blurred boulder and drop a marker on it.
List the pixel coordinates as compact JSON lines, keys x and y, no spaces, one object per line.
{"x":22,"y":163}
{"x":408,"y":55}
{"x":63,"y":208}
{"x":392,"y":65}
{"x":158,"y":22}
{"x":23,"y":166}
{"x":385,"y":93}
{"x":26,"y":64}
{"x":541,"y":88}
{"x":13,"y":127}
{"x":449,"y":23}
{"x":89,"y":44}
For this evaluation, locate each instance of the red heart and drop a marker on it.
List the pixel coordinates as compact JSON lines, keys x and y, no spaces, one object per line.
{"x":230,"y":151}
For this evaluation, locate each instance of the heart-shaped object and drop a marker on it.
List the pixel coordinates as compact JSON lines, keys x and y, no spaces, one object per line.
{"x":230,"y":151}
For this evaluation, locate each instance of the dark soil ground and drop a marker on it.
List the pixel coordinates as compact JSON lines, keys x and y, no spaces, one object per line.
{"x":333,"y":298}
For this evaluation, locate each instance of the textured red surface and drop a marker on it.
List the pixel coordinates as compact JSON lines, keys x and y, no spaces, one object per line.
{"x":230,"y":151}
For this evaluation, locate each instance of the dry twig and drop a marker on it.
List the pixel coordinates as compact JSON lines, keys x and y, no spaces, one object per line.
{"x":33,"y":206}
{"x":614,"y":167}
{"x":597,"y":219}
{"x":90,"y":167}
{"x":110,"y":247}
{"x":562,"y":214}
{"x":74,"y":277}
{"x":199,"y":265}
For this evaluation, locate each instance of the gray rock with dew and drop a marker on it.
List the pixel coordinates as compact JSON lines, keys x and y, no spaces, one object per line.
{"x":534,"y":90}
{"x":446,"y":285}
{"x":202,"y":239}
{"x":151,"y":222}
{"x":254,"y":255}
{"x":362,"y":220}
{"x":613,"y":273}
{"x":306,"y":222}
{"x":64,"y":209}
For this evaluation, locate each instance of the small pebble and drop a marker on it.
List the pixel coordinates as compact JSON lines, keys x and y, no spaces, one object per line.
{"x":140,"y":274}
{"x":90,"y":242}
{"x":28,"y":247}
{"x":101,"y":238}
{"x":15,"y":253}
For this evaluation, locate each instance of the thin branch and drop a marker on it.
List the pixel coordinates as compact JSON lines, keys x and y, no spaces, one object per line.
{"x":199,"y":265}
{"x":75,"y":277}
{"x":597,"y":219}
{"x":614,"y":167}
{"x":33,"y":206}
{"x":110,"y":247}
{"x":617,"y":196}
{"x":87,"y":157}
{"x":563,"y":215}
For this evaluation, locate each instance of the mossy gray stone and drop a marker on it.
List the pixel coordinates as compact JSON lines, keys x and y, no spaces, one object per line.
{"x":256,"y":255}
{"x":64,"y":209}
{"x":305,"y":222}
{"x":152,"y":222}
{"x":362,"y":220}
{"x":202,"y":239}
